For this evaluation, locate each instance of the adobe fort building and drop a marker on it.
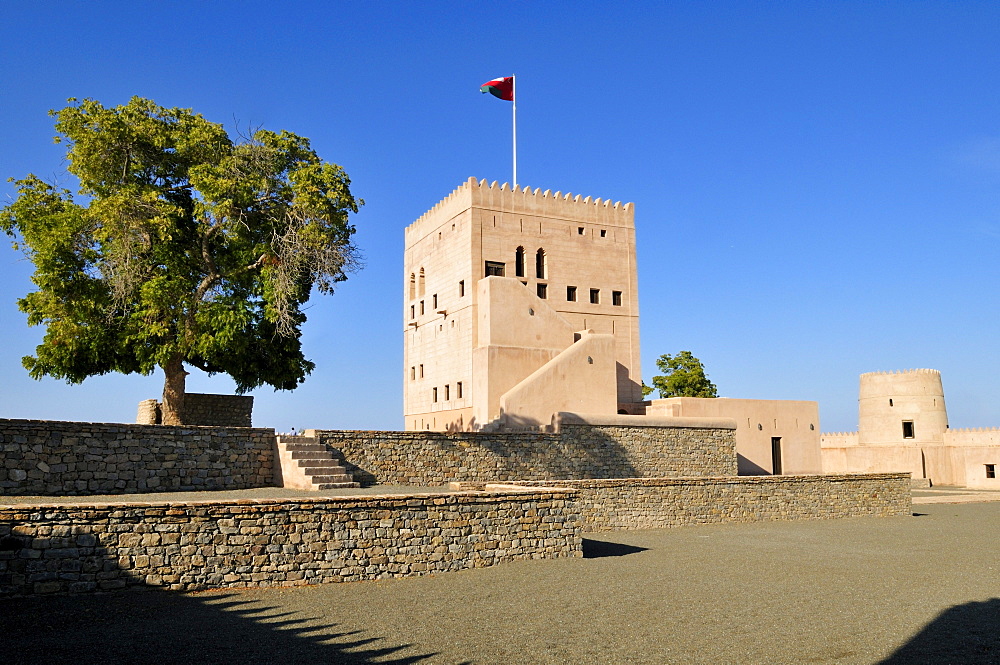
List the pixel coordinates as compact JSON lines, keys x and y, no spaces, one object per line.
{"x":903,"y":426}
{"x":520,"y":304}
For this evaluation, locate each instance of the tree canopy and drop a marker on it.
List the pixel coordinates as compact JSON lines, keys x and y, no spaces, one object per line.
{"x":186,"y":246}
{"x":683,"y":376}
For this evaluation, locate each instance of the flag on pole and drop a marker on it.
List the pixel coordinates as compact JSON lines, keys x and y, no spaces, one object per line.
{"x":501,"y":88}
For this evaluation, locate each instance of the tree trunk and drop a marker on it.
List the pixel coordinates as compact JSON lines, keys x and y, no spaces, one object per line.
{"x":173,"y":391}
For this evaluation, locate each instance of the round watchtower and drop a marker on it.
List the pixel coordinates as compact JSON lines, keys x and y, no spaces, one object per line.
{"x":902,"y":408}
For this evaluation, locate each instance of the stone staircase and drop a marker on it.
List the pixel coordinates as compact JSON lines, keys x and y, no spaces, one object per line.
{"x":306,"y":464}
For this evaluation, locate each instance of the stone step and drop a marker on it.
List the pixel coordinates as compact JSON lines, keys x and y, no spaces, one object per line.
{"x":315,"y":447}
{"x":334,"y":486}
{"x":318,"y":461}
{"x":309,"y":454}
{"x":325,"y":471}
{"x":332,"y":478}
{"x":288,"y":438}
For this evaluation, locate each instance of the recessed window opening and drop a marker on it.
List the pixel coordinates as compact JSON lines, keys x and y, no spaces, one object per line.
{"x":413,"y":311}
{"x":540,"y":264}
{"x":461,"y":288}
{"x":495,"y":268}
{"x":413,"y":373}
{"x":571,"y":293}
{"x":907,"y":429}
{"x":421,"y":371}
{"x":595,"y":296}
{"x":519,"y":262}
{"x":579,"y":230}
{"x":991,"y":470}
{"x":447,"y":392}
{"x":435,"y":393}
{"x":458,"y":390}
{"x":543,"y":290}
{"x":890,"y":401}
{"x":604,"y":233}
{"x":434,"y":298}
{"x":616,"y":298}
{"x":413,"y":286}
{"x":421,"y":284}
{"x":421,"y":308}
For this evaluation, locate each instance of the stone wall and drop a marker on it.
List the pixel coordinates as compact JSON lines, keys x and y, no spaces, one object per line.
{"x":80,"y":548}
{"x":579,"y":450}
{"x":654,"y":503}
{"x":39,"y":457}
{"x":203,"y":410}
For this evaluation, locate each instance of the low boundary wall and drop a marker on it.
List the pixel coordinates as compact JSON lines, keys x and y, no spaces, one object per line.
{"x":201,"y":545}
{"x":584,"y":447}
{"x":655,"y":503}
{"x":42,"y":457}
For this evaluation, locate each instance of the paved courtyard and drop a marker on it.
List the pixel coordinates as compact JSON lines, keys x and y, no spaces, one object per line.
{"x":923,"y":589}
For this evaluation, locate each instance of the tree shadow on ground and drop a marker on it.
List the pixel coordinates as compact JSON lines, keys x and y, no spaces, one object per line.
{"x":598,"y":549}
{"x":155,"y":626}
{"x":966,"y":634}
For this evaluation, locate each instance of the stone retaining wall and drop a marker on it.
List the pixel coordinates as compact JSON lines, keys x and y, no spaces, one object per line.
{"x":203,"y":410}
{"x":69,"y":458}
{"x":201,"y":545}
{"x":579,"y":450}
{"x":654,"y":503}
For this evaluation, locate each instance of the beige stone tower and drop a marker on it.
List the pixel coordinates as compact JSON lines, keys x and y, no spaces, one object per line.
{"x":904,"y":407}
{"x":518,"y":303}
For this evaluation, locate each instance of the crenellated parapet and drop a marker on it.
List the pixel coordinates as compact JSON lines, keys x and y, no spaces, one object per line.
{"x":503,"y":197}
{"x":900,"y":372}
{"x":838,"y":439}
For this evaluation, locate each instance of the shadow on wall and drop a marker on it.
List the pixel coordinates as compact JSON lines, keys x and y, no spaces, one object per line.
{"x":966,"y":634}
{"x":747,"y":468}
{"x":160,"y":626}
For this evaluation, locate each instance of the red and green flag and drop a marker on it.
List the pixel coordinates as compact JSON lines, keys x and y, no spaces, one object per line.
{"x":501,"y":88}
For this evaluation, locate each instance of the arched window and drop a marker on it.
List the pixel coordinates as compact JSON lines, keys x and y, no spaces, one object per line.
{"x":519,"y":262}
{"x":413,"y":286}
{"x":422,"y":285}
{"x":540,"y":264}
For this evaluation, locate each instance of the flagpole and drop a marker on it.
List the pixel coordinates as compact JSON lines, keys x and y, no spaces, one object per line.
{"x":513,"y":91}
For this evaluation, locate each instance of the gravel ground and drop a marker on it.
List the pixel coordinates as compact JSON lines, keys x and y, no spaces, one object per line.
{"x":923,"y":589}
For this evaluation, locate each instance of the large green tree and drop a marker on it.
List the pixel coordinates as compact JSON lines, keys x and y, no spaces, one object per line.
{"x":185,"y":247}
{"x":683,"y":376}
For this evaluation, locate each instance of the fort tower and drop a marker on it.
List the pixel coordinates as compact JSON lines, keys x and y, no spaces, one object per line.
{"x":518,"y":303}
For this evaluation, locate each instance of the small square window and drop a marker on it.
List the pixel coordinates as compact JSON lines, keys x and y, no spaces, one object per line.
{"x":595,"y":296}
{"x":604,"y":233}
{"x":571,"y":293}
{"x":991,"y":470}
{"x":458,"y":390}
{"x":461,"y":289}
{"x":907,"y":429}
{"x":543,"y":290}
{"x":616,"y":298}
{"x":495,"y":269}
{"x":579,"y":230}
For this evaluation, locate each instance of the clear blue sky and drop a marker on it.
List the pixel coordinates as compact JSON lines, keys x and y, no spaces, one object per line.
{"x":817,"y":184}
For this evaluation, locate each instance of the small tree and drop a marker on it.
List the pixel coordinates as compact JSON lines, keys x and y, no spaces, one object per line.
{"x":683,"y":376}
{"x":190,"y":248}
